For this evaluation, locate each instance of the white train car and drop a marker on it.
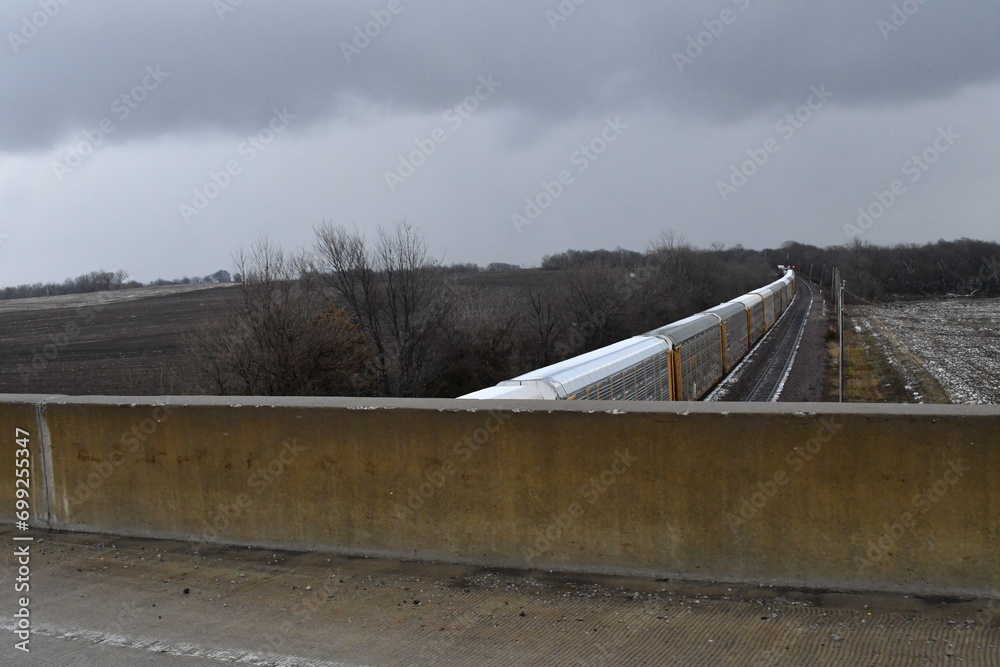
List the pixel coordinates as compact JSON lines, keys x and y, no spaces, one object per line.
{"x":636,"y":369}
{"x":680,"y":361}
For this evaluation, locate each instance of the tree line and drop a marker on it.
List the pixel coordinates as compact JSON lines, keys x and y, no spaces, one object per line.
{"x":101,"y":281}
{"x":962,"y":268}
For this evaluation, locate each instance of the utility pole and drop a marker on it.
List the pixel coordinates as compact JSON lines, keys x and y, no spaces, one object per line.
{"x":840,"y":327}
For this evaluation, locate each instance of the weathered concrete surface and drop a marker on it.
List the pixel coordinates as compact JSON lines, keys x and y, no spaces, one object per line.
{"x":100,"y":601}
{"x":873,"y":498}
{"x":19,"y":416}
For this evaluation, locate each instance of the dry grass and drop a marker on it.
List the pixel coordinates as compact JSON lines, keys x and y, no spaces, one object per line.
{"x":869,"y":377}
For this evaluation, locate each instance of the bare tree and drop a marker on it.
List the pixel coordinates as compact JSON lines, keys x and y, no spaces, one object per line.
{"x":281,"y":336}
{"x":541,"y":318}
{"x":596,"y":305}
{"x":483,"y":345}
{"x":395,"y":294}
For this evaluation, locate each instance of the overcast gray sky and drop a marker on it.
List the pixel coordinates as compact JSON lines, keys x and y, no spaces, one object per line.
{"x":159,"y":136}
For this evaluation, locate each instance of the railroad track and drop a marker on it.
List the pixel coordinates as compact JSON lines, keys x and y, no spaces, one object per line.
{"x":772,"y":379}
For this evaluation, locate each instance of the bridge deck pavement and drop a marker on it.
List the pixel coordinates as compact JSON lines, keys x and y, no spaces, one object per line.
{"x":99,"y":600}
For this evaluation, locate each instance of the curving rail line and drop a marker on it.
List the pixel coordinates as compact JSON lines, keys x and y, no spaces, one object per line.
{"x":772,"y":379}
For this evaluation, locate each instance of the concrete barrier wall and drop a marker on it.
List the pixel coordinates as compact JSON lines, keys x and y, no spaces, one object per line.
{"x":19,"y":422}
{"x":877,"y":498}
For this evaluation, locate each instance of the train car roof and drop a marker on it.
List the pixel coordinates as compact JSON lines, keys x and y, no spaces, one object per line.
{"x":685,"y":329}
{"x":766,"y":291}
{"x":779,"y":284}
{"x":525,"y":392}
{"x":749,"y":300}
{"x":727,"y":310}
{"x":570,"y":376}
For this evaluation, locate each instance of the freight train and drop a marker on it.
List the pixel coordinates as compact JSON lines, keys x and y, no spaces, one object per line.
{"x":678,"y":362}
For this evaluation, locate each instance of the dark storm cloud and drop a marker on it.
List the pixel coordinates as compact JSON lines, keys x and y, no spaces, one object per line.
{"x":880,"y":53}
{"x":230,"y":64}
